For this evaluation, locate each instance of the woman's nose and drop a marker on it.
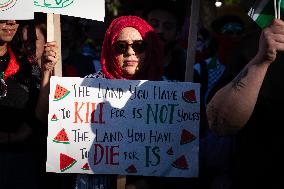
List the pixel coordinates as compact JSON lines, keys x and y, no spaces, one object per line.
{"x":130,"y":50}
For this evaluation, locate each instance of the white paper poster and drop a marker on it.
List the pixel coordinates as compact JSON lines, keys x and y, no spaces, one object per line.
{"x":16,"y":9}
{"x":90,"y":9}
{"x":126,"y":127}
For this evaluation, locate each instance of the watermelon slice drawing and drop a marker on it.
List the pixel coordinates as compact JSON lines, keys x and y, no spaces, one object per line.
{"x":66,"y":162}
{"x":180,"y":163}
{"x":85,"y":167}
{"x":170,"y":151}
{"x":61,"y":137}
{"x":189,"y":96}
{"x":54,"y":118}
{"x":60,"y":93}
{"x":131,"y":169}
{"x":186,"y":137}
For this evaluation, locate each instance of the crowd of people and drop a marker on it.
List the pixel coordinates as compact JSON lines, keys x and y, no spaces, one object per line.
{"x":239,"y":67}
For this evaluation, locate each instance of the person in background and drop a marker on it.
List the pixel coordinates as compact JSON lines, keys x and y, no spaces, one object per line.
{"x":92,"y":48}
{"x":205,"y":46}
{"x":19,"y":99}
{"x":246,"y":105}
{"x":228,"y":27}
{"x":94,"y":32}
{"x":34,"y":39}
{"x":167,"y":23}
{"x":34,"y":36}
{"x":74,"y":62}
{"x":131,"y":50}
{"x":230,"y":24}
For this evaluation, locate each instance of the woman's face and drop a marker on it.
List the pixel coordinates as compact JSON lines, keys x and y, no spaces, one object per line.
{"x":130,"y":51}
{"x":164,"y":24}
{"x":40,"y":42}
{"x":8,"y":29}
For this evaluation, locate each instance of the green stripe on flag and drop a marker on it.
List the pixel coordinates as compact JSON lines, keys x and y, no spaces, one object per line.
{"x":266,"y":15}
{"x":264,"y":20}
{"x":264,"y":12}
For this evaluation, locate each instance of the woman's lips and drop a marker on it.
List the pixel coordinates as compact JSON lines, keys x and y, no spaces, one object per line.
{"x":130,"y":63}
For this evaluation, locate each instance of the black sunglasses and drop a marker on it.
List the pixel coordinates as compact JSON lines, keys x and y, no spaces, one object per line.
{"x":138,"y":46}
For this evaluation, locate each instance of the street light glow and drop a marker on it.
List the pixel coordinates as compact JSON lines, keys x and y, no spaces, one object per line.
{"x":218,"y":3}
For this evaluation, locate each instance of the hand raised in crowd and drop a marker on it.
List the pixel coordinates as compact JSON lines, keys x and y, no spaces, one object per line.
{"x":50,"y":56}
{"x":271,"y":41}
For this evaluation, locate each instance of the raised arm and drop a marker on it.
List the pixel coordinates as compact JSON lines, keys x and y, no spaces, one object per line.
{"x":231,"y":107}
{"x":49,"y":59}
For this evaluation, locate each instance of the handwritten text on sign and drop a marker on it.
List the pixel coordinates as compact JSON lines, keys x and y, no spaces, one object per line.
{"x":123,"y":127}
{"x":90,"y":9}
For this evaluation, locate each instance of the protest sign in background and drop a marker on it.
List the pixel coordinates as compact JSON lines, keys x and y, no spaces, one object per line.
{"x":123,"y":127}
{"x":90,"y":9}
{"x":16,"y":9}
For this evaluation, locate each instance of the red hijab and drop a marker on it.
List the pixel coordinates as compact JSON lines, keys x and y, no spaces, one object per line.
{"x":152,"y":68}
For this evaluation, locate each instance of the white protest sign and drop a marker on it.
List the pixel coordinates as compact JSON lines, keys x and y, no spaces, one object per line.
{"x":126,"y":127}
{"x":16,"y":9}
{"x":90,"y":9}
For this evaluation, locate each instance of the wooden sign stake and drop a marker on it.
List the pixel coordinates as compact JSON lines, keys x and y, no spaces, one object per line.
{"x":54,"y":34}
{"x":192,"y":38}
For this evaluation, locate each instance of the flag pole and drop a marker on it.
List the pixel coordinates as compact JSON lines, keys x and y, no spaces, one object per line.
{"x":278,"y":9}
{"x":192,"y":38}
{"x":275,"y":9}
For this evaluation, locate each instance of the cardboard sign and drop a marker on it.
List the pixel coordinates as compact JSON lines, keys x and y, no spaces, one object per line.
{"x":16,"y":9}
{"x":126,"y":127}
{"x":90,"y":9}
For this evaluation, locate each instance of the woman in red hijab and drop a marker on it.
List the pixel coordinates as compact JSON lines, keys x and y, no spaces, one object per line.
{"x":131,"y":50}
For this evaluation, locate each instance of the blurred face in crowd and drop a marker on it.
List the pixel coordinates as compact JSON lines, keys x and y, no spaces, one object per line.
{"x":68,"y":38}
{"x":40,"y":41}
{"x":165,"y":25}
{"x":130,"y":50}
{"x":8,"y":29}
{"x":228,"y":34}
{"x":72,"y":36}
{"x":67,"y":30}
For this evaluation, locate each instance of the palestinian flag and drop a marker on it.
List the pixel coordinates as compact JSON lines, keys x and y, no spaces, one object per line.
{"x":263,"y":12}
